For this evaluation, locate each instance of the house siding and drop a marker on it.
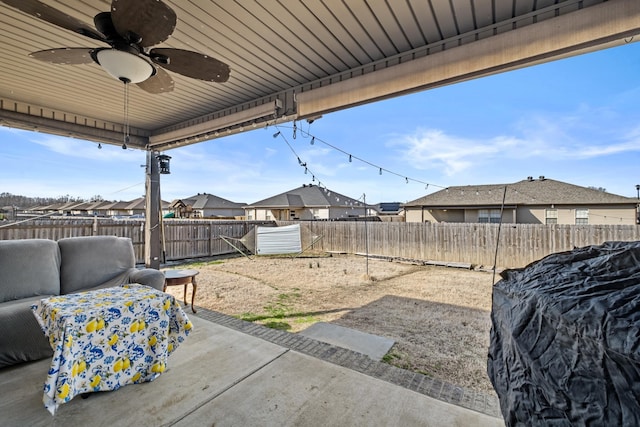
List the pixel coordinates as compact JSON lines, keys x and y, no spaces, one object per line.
{"x":214,"y":212}
{"x":451,"y":215}
{"x":566,"y":214}
{"x":598,"y":215}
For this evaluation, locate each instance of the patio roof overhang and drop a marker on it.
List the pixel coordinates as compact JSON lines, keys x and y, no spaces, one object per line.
{"x":290,"y":60}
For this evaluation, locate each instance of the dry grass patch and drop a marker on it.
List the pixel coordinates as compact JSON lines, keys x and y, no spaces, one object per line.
{"x":439,"y":317}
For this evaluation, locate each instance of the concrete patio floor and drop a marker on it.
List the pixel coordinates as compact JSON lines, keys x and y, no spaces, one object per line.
{"x":234,"y":373}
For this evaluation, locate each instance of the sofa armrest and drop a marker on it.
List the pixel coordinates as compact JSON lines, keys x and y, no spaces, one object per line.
{"x":147,"y":276}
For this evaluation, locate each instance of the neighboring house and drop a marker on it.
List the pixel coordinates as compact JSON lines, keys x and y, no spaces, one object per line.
{"x":86,"y":208}
{"x":390,"y":211}
{"x":207,"y":206}
{"x":114,"y":209}
{"x":135,"y":208}
{"x":309,"y":202}
{"x":531,"y":201}
{"x":62,"y":208}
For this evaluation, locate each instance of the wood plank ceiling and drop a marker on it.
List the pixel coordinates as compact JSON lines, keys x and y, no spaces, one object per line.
{"x":289,"y":60}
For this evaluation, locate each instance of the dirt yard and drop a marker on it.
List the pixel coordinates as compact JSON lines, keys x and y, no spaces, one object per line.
{"x":438,"y":316}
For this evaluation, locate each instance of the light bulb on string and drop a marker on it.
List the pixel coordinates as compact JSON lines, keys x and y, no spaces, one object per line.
{"x":313,"y":140}
{"x":350,"y":160}
{"x":275,"y":135}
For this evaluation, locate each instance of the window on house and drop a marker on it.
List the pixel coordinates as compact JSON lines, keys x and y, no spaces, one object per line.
{"x":582,"y":216}
{"x":551,"y":216}
{"x":315,"y":213}
{"x":489,"y":216}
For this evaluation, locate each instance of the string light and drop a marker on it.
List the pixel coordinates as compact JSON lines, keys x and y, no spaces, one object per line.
{"x":306,"y":134}
{"x":351,"y":157}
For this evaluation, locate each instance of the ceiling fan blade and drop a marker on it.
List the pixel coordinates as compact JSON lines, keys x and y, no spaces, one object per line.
{"x":65,"y":55}
{"x":191,"y":64}
{"x":54,"y":16}
{"x":160,"y":82}
{"x":144,"y":22}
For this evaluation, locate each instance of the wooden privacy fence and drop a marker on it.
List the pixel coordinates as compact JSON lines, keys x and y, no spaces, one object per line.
{"x":474,"y":244}
{"x":182,"y":238}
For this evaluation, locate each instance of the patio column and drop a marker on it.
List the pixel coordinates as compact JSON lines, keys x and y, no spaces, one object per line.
{"x":152,"y":212}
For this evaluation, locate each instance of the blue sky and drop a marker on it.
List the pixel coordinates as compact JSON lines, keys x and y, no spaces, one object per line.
{"x":575,"y":120}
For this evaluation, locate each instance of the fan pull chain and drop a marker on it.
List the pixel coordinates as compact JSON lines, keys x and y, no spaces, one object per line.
{"x":126,"y":116}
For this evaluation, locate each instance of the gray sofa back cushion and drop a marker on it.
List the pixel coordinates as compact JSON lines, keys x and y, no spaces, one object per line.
{"x":29,"y":268}
{"x":88,"y":262}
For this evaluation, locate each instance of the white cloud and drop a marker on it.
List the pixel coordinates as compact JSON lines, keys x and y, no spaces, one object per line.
{"x":431,"y":148}
{"x":542,"y":138}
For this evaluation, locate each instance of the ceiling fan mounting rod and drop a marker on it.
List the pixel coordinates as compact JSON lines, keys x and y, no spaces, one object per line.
{"x":126,"y":129}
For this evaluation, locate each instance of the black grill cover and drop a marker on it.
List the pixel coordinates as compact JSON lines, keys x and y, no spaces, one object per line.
{"x":565,"y":339}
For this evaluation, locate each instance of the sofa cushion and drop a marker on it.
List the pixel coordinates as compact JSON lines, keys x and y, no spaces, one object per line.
{"x":88,"y":262}
{"x":21,"y":337}
{"x":29,"y":267}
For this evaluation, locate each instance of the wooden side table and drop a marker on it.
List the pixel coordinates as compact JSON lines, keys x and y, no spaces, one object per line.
{"x":182,"y":277}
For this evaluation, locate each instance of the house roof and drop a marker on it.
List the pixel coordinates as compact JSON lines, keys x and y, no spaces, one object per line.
{"x":542,"y":191}
{"x":388,"y":207}
{"x":115,"y":205}
{"x":308,"y":195}
{"x":209,"y":201}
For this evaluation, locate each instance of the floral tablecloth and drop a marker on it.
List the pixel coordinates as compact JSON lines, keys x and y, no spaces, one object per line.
{"x":107,"y":338}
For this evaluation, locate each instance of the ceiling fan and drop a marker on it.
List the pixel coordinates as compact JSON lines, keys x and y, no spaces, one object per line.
{"x":131,"y":28}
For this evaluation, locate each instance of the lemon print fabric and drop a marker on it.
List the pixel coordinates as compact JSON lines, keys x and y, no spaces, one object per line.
{"x":105,"y":339}
{"x":62,"y":392}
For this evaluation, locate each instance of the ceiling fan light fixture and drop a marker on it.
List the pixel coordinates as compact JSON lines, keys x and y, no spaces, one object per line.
{"x":124,"y":66}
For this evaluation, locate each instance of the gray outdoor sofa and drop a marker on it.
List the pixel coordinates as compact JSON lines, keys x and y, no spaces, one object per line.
{"x":32,"y":269}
